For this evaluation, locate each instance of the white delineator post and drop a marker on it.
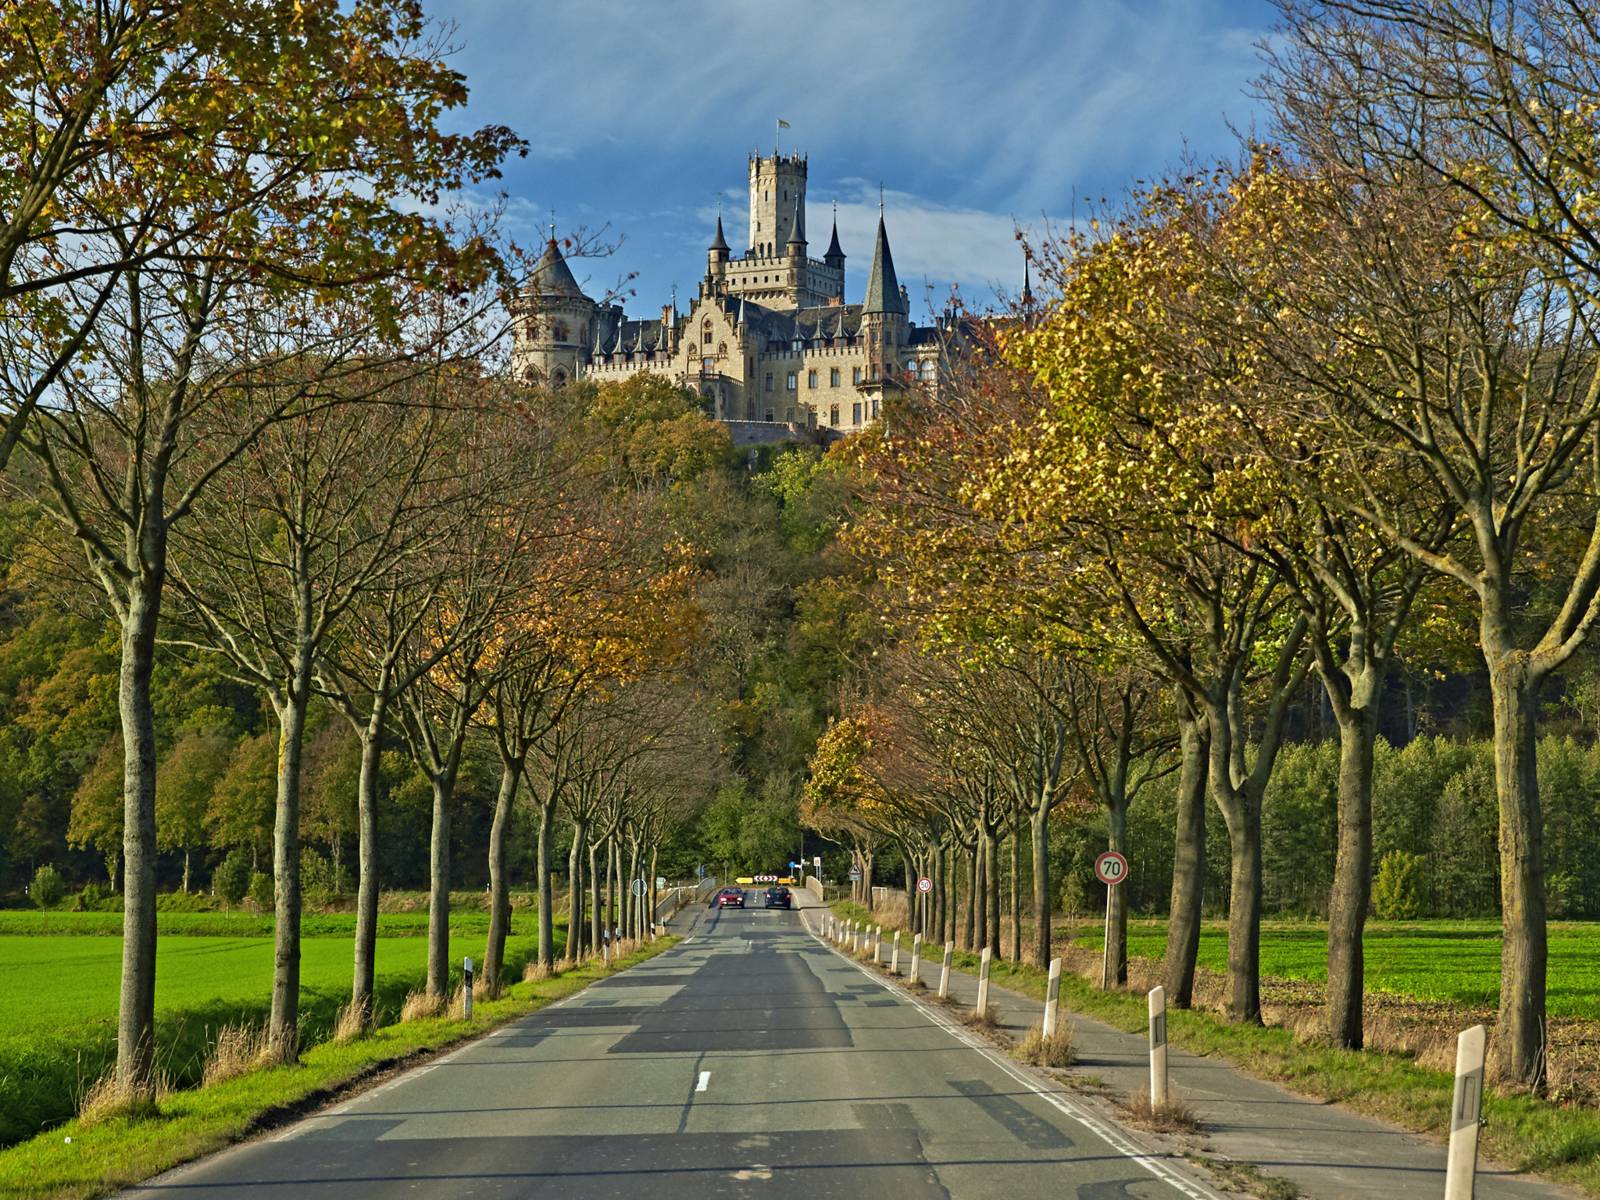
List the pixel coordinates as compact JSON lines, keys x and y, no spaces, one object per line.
{"x":983,"y":984}
{"x":944,"y":972}
{"x":1052,"y":999}
{"x":916,"y":957}
{"x":466,"y":991}
{"x":855,"y":937}
{"x":894,"y":955}
{"x":1158,"y":1046}
{"x":877,"y":945}
{"x":1466,"y":1114}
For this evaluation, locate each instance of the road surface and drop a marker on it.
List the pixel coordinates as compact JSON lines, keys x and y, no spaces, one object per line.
{"x":750,"y":1060}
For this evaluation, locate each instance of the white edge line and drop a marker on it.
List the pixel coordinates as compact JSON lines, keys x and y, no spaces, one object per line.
{"x":1110,"y":1134}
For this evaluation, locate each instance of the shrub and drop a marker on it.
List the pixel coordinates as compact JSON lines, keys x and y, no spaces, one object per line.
{"x":261,"y":892}
{"x":92,"y":899}
{"x":1397,"y":895}
{"x":231,"y":879}
{"x":321,"y":880}
{"x":48,"y":889}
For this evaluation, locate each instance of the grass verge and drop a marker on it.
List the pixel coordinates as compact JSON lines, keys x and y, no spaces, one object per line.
{"x":1521,"y":1132}
{"x":77,"y":1162}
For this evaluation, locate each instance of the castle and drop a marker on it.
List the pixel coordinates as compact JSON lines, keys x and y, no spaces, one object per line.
{"x":768,"y":337}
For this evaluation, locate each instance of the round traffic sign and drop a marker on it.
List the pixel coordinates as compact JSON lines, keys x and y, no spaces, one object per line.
{"x":924,"y":885}
{"x":1111,"y":868}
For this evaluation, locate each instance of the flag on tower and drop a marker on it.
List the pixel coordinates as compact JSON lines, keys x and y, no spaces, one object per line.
{"x":782,"y":124}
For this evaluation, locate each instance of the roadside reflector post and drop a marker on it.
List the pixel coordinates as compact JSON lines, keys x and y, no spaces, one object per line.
{"x":855,"y":937}
{"x":466,"y":990}
{"x":944,"y":972}
{"x":1158,"y":1046}
{"x":894,"y":955}
{"x":1466,"y":1114}
{"x":1052,"y":998}
{"x":916,"y":957}
{"x":983,"y":984}
{"x":877,"y":945}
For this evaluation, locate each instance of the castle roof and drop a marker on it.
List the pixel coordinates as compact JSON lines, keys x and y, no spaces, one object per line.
{"x":552,"y":276}
{"x":883,"y":288}
{"x":719,"y":242}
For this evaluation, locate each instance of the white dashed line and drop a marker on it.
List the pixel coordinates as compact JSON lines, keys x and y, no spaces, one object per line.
{"x":705,"y":1081}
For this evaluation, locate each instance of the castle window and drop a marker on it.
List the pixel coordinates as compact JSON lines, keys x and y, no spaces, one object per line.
{"x":833,"y":415}
{"x":769,"y":414}
{"x":705,"y":333}
{"x":873,"y":340}
{"x":855,"y":374}
{"x":750,"y":409}
{"x":559,"y":378}
{"x":769,"y":381}
{"x":722,"y":349}
{"x":791,"y":382}
{"x":874,"y":408}
{"x":855,"y":413}
{"x":811,"y":379}
{"x":833,"y":377}
{"x":560,"y":331}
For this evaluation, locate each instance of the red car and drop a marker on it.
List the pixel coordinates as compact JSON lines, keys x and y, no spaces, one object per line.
{"x":730,"y":898}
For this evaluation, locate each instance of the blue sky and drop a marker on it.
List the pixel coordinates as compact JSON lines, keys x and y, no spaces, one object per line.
{"x":975,"y":118}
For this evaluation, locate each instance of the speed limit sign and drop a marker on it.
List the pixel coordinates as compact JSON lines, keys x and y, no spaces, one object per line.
{"x":1111,"y":868}
{"x":924,"y":885}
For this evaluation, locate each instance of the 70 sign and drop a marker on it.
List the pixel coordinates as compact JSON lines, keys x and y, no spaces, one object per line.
{"x":1110,"y":869}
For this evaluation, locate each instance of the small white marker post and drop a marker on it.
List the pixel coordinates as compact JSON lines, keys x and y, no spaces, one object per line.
{"x":466,"y":990}
{"x":983,"y":984}
{"x":894,"y":955}
{"x":944,"y":971}
{"x":855,"y":937}
{"x":1466,"y":1113}
{"x":916,"y":957}
{"x":1052,"y":999}
{"x":1158,"y":1046}
{"x":877,"y":945}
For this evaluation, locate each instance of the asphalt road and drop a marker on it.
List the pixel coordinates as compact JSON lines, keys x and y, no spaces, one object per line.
{"x":748,"y":1061}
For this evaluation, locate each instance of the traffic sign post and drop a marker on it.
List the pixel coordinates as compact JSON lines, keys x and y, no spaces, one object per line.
{"x":1110,"y":869}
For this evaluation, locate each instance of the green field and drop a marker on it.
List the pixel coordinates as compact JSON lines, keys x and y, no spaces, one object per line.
{"x":1453,"y":962}
{"x":58,"y":1024}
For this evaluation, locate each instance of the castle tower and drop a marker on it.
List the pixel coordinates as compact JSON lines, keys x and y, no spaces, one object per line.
{"x":717,"y":262}
{"x":834,"y":257}
{"x":555,"y":322}
{"x":883,"y":311}
{"x":777,"y":188}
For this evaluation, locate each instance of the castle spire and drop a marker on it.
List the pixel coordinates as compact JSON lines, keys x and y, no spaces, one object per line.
{"x":1027,"y":282}
{"x":883,"y":288}
{"x":834,"y":256}
{"x":719,"y":242}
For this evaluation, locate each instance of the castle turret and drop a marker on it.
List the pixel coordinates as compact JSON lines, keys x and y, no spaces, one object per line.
{"x":884,"y":310}
{"x":717,"y":261}
{"x":795,"y":247}
{"x":834,"y":256}
{"x":555,"y":321}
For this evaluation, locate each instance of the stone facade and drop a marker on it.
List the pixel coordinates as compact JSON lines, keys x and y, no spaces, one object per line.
{"x":768,"y":337}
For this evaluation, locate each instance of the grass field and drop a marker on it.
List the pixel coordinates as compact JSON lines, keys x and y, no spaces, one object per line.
{"x":1447,"y":962}
{"x":58,"y":1024}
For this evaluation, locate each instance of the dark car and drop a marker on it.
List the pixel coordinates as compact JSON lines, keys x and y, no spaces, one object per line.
{"x":730,"y":898}
{"x":778,"y":897}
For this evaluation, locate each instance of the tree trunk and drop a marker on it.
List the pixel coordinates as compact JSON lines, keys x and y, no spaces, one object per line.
{"x":494,"y":950}
{"x":1043,"y":938}
{"x":1016,"y":897}
{"x":1352,"y":868}
{"x":547,"y":927}
{"x":969,"y":919}
{"x":1189,"y":857}
{"x":367,"y":878}
{"x":1116,"y":972}
{"x":580,"y":833}
{"x":991,"y":874}
{"x":283,"y":1027}
{"x":596,"y":882}
{"x":1243,"y":815}
{"x":137,"y":999}
{"x":1518,"y":1052}
{"x":187,"y":853}
{"x":439,"y":892}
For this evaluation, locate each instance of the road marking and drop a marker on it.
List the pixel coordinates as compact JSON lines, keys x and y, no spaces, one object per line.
{"x":705,"y":1081}
{"x":1108,"y":1133}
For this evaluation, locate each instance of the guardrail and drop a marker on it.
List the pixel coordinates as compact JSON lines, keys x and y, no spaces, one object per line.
{"x":679,"y":897}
